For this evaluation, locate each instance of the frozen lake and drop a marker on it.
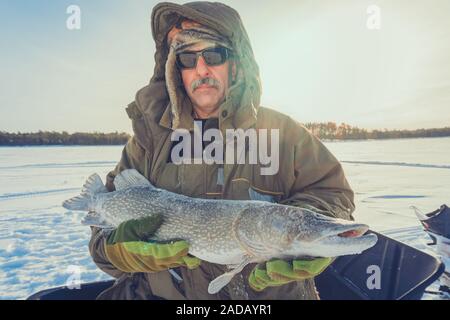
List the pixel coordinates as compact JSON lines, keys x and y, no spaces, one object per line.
{"x":41,"y":244}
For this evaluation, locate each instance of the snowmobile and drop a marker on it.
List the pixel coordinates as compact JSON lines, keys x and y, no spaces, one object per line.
{"x":437,"y":226}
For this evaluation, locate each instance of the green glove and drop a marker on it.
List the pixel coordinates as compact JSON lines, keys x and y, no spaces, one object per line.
{"x":279,"y":272}
{"x":129,"y":249}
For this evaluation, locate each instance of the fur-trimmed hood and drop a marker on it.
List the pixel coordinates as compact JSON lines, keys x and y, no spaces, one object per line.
{"x":242,"y":99}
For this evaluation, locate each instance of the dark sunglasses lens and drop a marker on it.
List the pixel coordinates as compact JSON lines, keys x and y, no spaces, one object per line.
{"x":187,"y":60}
{"x":214,"y":57}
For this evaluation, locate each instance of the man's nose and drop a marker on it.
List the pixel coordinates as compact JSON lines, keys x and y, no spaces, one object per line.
{"x":202,"y":68}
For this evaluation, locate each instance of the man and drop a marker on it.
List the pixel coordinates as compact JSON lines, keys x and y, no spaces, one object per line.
{"x":205,"y":70}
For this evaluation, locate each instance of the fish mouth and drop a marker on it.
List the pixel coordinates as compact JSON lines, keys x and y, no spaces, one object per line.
{"x":344,"y":230}
{"x":346,"y":233}
{"x":353,"y":232}
{"x":351,"y":239}
{"x":337,"y":240}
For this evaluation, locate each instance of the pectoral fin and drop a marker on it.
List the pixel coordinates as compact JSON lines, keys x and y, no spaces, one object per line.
{"x":218,"y":283}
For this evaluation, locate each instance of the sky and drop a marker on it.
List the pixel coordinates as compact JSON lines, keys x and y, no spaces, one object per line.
{"x":319,"y":62}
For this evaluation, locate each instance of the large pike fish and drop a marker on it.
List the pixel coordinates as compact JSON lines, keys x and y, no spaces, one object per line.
{"x":227,"y":232}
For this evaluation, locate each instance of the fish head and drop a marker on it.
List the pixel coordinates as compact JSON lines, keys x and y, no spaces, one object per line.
{"x":276,"y":231}
{"x":316,"y":235}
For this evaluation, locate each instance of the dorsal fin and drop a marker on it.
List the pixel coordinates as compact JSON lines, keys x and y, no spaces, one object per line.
{"x":130,"y":178}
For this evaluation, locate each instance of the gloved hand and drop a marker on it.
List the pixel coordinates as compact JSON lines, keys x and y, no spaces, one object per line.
{"x":279,"y":272}
{"x":129,"y":249}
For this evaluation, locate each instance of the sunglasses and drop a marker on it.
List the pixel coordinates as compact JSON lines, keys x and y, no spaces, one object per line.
{"x":212,"y":56}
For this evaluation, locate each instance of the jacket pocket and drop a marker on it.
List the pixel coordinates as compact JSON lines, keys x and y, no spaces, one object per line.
{"x":169,"y":178}
{"x":193,"y":180}
{"x":255,"y":195}
{"x":243,"y":189}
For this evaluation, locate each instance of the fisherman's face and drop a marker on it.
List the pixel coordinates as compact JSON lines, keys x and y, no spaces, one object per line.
{"x":207,"y":98}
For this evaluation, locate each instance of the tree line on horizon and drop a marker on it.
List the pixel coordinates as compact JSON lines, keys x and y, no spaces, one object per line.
{"x":325,"y":130}
{"x":43,"y":138}
{"x":333,"y":131}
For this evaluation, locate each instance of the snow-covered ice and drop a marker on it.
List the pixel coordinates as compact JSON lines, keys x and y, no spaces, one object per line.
{"x":41,"y":244}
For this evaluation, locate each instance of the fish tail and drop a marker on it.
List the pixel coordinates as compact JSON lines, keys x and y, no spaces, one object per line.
{"x":83,"y":202}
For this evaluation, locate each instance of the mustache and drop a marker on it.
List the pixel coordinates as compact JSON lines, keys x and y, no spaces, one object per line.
{"x":208,"y":81}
